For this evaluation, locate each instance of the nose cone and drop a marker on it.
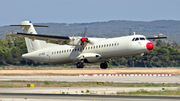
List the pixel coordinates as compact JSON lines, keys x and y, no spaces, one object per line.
{"x":149,"y":46}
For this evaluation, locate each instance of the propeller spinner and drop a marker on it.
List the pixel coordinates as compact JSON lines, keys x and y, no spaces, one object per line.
{"x":83,"y":39}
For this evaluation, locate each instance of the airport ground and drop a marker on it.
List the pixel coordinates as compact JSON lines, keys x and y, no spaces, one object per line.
{"x":68,"y":86}
{"x":44,"y":71}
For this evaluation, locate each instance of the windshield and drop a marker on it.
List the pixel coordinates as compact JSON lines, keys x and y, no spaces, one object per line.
{"x":142,"y":38}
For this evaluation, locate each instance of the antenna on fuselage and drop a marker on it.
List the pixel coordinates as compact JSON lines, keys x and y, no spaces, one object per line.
{"x":134,"y":33}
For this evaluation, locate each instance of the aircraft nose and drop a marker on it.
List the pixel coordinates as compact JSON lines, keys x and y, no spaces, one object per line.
{"x":149,"y":46}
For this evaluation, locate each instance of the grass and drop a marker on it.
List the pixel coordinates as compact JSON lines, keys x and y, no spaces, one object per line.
{"x":144,"y":92}
{"x":87,"y":91}
{"x":23,"y":83}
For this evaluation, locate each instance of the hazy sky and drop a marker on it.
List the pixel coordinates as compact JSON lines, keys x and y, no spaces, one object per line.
{"x":78,"y":11}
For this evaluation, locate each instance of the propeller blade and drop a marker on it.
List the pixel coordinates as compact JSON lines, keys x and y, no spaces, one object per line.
{"x":85,"y":30}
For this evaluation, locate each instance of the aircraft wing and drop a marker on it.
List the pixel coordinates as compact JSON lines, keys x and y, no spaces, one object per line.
{"x":156,"y":38}
{"x":46,"y":38}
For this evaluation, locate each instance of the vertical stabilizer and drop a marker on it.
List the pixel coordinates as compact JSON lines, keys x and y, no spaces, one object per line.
{"x":31,"y":45}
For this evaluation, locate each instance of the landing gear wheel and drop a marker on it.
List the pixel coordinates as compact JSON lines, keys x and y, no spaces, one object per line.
{"x":80,"y":65}
{"x":104,"y":65}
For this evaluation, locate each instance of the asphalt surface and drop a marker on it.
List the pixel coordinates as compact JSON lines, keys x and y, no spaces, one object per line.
{"x":75,"y":97}
{"x":136,"y":79}
{"x":77,"y":90}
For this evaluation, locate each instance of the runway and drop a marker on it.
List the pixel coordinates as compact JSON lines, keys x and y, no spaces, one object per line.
{"x":78,"y":90}
{"x":138,"y":79}
{"x":75,"y":97}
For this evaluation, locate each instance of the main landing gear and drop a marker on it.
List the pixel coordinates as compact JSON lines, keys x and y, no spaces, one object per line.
{"x":80,"y":65}
{"x":104,"y":65}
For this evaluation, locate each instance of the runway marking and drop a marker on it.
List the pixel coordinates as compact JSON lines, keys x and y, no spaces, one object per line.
{"x":125,"y":75}
{"x":56,"y":92}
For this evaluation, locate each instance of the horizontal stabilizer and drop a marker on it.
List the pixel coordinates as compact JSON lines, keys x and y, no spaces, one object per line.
{"x":25,"y":26}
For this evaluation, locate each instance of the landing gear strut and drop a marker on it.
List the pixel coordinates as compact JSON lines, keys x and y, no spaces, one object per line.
{"x":80,"y":65}
{"x":144,"y":56}
{"x":104,"y":65}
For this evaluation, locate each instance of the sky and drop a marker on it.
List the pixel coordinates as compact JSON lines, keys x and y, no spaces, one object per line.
{"x":86,"y":11}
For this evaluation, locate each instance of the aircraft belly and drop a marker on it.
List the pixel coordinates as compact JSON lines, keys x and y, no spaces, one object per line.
{"x":60,"y":59}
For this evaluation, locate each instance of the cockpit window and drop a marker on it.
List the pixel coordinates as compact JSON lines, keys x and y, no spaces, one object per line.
{"x":142,"y":38}
{"x":136,"y":39}
{"x":133,"y":39}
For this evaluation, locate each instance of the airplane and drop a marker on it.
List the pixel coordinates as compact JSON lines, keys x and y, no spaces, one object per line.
{"x":80,"y":50}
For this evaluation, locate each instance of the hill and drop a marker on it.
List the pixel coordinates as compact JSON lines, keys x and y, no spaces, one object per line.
{"x":113,"y":28}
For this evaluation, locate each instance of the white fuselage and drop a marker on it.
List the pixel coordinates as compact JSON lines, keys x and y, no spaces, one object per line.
{"x":99,"y":51}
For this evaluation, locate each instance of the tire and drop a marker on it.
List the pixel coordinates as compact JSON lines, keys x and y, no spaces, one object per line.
{"x":80,"y":65}
{"x":103,"y":65}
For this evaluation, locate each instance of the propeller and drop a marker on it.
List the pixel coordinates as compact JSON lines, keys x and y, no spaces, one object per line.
{"x":85,"y":30}
{"x":84,"y":39}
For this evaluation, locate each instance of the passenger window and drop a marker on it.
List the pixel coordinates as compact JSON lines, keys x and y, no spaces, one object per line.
{"x":96,"y":46}
{"x":67,"y":50}
{"x":99,"y":46}
{"x":118,"y":44}
{"x":104,"y":45}
{"x":70,"y":50}
{"x":88,"y":47}
{"x":75,"y":49}
{"x":115,"y":44}
{"x":64,"y":51}
{"x":52,"y":52}
{"x":78,"y":49}
{"x":107,"y":45}
{"x":91,"y":47}
{"x":112,"y":44}
{"x":59,"y":51}
{"x":136,"y":39}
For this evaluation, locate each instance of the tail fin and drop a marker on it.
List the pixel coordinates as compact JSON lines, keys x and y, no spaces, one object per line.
{"x":32,"y":45}
{"x":28,"y":27}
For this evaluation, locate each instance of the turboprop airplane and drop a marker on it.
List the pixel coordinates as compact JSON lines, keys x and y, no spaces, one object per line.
{"x":80,"y":50}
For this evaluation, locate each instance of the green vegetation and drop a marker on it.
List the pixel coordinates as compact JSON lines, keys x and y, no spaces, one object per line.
{"x":23,"y":83}
{"x":46,"y":82}
{"x":87,"y":91}
{"x":144,"y":92}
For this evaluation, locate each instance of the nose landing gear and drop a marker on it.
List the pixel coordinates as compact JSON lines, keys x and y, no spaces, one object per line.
{"x":145,"y":56}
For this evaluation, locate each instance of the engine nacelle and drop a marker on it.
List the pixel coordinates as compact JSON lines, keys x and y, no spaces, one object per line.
{"x":75,"y":41}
